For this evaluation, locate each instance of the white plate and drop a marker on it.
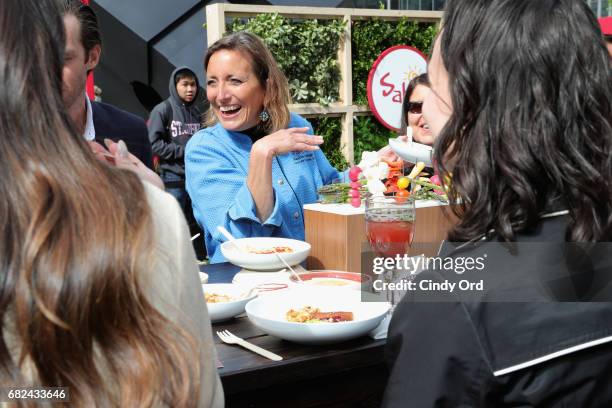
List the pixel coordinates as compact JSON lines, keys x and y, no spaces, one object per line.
{"x":268,"y":313}
{"x":265,"y":262}
{"x":412,"y":152}
{"x":264,"y":282}
{"x":226,"y":310}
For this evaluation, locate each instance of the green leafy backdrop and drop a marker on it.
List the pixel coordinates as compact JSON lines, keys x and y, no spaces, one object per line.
{"x":307,"y":51}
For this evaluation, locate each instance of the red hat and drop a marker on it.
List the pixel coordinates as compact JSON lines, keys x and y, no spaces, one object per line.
{"x":606,"y":26}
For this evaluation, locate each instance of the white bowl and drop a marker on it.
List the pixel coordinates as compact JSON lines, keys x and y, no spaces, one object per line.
{"x":226,"y":310}
{"x":268,"y":313}
{"x":265,"y":262}
{"x":412,"y":152}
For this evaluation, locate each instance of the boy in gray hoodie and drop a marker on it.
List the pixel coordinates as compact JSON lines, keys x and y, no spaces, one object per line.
{"x":171,"y":125}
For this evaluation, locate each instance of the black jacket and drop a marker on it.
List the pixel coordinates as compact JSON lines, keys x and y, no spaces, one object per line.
{"x":115,"y":124}
{"x":492,"y":354}
{"x":171,"y":125}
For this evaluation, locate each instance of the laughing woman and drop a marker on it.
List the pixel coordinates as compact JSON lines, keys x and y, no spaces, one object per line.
{"x":256,"y":165}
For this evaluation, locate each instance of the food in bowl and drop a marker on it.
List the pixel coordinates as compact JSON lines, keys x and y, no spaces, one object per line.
{"x":328,"y":282}
{"x":269,"y":314}
{"x":348,"y":280}
{"x":226,"y":300}
{"x":294,"y":253}
{"x":217,"y":298}
{"x":276,"y":249}
{"x":309,"y":314}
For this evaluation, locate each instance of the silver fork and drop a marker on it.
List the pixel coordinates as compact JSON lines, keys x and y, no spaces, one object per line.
{"x":230,"y":338}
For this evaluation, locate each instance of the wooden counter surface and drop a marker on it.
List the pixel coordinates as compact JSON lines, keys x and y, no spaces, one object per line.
{"x":337,"y":237}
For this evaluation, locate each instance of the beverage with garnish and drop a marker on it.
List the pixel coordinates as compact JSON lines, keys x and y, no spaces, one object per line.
{"x":390,"y":229}
{"x":389,"y":238}
{"x":389,"y":225}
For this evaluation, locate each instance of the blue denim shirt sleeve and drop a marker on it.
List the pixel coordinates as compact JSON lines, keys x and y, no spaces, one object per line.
{"x":243,"y":207}
{"x":328,"y":173}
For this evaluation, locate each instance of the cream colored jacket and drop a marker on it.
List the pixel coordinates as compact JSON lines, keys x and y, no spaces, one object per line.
{"x":175,"y":288}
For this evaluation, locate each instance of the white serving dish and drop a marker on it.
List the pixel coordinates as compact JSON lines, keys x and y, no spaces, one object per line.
{"x":264,"y":262}
{"x":268,"y":313}
{"x":226,"y":310}
{"x":412,"y":152}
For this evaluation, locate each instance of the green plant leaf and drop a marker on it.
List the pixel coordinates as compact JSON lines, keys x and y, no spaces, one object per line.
{"x":306,"y":51}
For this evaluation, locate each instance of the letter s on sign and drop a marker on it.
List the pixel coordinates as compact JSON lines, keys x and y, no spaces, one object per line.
{"x":386,"y":84}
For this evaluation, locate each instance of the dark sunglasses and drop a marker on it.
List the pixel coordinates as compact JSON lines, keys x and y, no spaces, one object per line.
{"x":415,"y":107}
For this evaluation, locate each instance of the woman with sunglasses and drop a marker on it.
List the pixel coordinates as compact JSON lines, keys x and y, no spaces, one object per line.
{"x":412,"y":116}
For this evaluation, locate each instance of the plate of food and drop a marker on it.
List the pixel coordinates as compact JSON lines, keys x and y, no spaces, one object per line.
{"x":316,"y":315}
{"x":330,"y":278}
{"x":226,"y":300}
{"x":262,"y":254}
{"x":412,"y":152}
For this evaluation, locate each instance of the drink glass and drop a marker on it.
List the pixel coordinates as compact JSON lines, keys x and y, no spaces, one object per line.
{"x":390,"y":230}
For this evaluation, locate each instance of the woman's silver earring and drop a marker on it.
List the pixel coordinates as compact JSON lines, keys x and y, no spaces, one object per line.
{"x":264,"y":116}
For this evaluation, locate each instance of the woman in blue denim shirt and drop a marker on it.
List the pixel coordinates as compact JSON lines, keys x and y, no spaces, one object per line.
{"x":256,"y":165}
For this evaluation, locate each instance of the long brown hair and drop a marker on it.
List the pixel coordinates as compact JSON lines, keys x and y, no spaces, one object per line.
{"x":268,"y":73}
{"x":75,"y":242}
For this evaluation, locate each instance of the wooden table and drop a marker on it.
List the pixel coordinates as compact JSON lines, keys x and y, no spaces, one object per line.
{"x":349,"y":374}
{"x":338,"y":237}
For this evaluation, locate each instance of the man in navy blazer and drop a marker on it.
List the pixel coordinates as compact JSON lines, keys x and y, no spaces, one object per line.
{"x":95,"y":120}
{"x":113,"y":123}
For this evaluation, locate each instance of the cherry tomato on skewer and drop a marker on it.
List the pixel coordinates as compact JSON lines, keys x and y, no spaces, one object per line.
{"x":402,"y":196}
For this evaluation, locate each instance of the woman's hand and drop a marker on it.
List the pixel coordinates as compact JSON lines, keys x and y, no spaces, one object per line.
{"x":286,"y":140}
{"x":119,"y":156}
{"x":259,"y":179}
{"x":387,"y":154}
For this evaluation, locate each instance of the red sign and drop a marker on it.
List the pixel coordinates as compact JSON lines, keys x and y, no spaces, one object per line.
{"x":389,"y":77}
{"x":90,"y":78}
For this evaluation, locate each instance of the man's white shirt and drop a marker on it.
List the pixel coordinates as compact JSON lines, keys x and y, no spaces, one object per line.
{"x":90,"y":133}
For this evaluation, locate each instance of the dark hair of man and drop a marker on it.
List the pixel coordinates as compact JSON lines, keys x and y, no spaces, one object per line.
{"x":90,"y":33}
{"x":72,"y":295}
{"x":416,"y":81}
{"x":183,"y":74}
{"x":531,"y":129}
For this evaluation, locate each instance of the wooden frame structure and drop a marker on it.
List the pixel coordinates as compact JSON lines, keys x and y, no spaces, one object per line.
{"x":217,"y":14}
